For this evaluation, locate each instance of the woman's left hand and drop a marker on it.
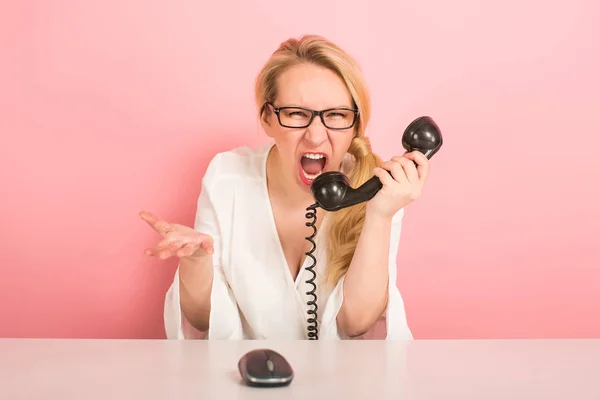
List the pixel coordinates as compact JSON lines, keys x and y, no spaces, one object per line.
{"x":402,"y":187}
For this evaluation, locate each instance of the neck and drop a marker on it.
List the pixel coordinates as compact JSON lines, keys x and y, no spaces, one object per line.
{"x":282,"y":186}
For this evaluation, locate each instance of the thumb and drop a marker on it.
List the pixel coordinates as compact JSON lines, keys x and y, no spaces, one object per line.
{"x":207,"y":243}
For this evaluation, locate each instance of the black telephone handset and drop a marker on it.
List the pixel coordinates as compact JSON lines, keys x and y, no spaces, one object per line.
{"x":332,"y":192}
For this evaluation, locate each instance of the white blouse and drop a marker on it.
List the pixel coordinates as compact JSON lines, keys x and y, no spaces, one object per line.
{"x":253,"y":293}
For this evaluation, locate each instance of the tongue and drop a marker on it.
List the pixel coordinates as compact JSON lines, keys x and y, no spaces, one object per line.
{"x":312,"y":166}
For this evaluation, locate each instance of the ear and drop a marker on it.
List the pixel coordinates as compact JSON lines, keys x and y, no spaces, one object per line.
{"x":265,"y":118}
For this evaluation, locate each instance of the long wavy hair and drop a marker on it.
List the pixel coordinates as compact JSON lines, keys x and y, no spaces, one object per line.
{"x":344,"y":225}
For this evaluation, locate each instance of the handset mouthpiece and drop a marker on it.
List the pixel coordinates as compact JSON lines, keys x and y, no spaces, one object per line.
{"x":332,"y":191}
{"x":329,"y":189}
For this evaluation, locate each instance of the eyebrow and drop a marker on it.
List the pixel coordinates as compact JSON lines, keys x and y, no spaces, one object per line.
{"x":303,"y":106}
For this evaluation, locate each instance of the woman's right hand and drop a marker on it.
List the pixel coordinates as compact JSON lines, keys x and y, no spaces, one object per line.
{"x":178,"y":240}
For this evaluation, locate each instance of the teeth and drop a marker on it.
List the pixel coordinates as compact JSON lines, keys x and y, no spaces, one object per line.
{"x":314,"y":156}
{"x":311,"y":177}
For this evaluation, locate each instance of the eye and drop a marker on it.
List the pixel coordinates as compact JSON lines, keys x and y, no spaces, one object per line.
{"x":337,"y":114}
{"x":296,"y":113}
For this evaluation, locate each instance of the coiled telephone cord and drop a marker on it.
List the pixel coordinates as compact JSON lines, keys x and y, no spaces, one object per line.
{"x":313,"y":331}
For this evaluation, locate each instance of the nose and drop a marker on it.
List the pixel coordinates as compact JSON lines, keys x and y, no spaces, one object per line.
{"x":316,"y":133}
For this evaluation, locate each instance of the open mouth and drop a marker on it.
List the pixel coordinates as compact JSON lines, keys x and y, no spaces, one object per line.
{"x":311,"y":166}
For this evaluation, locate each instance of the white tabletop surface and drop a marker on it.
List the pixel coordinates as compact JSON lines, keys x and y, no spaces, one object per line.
{"x":161,"y":369}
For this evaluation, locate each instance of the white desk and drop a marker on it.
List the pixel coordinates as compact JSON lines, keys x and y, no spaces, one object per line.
{"x":374,"y":370}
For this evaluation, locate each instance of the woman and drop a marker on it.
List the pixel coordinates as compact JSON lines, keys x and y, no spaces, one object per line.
{"x":242,"y":271}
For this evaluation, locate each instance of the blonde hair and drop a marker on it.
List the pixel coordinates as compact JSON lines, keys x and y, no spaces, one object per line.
{"x":344,"y":225}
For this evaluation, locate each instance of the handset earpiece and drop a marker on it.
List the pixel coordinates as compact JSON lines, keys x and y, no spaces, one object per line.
{"x":332,"y":190}
{"x":423,"y":135}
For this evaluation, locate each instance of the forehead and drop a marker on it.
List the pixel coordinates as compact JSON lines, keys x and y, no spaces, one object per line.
{"x":312,"y":86}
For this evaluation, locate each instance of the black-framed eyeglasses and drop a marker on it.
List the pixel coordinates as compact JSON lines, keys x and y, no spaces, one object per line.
{"x":339,"y":118}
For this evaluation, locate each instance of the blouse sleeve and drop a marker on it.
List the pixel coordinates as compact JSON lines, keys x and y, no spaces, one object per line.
{"x":395,"y":322}
{"x":225,"y":321}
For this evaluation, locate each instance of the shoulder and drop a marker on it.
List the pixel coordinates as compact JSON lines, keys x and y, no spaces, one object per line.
{"x":240,"y":163}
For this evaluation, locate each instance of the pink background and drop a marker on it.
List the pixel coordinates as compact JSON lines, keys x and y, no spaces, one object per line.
{"x":111,"y":107}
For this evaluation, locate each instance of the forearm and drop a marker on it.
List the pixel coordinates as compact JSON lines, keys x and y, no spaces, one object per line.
{"x":195,"y":286}
{"x":366,"y":281}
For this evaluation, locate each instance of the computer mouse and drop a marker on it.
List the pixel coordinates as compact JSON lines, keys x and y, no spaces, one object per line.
{"x":265,"y":368}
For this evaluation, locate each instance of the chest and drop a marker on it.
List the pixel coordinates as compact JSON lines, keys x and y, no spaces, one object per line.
{"x":292,"y":233}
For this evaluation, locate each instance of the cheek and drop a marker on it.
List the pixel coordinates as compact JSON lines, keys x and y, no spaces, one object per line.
{"x":341,"y":142}
{"x":287,"y":143}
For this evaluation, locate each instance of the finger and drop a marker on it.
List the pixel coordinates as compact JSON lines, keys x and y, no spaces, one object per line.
{"x":396,"y":170}
{"x":173,"y":239}
{"x":172,"y":243}
{"x":422,"y":163}
{"x":187,"y":250}
{"x":182,"y":245}
{"x":190,"y":248}
{"x":149,"y":217}
{"x":384,"y":176}
{"x":208,"y":246}
{"x":196,"y":241}
{"x":155,"y":222}
{"x":167,"y":253}
{"x":409,"y":168}
{"x":162,"y":253}
{"x":164,"y":228}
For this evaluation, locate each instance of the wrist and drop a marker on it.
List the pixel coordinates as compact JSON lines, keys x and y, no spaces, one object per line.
{"x":377,"y":219}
